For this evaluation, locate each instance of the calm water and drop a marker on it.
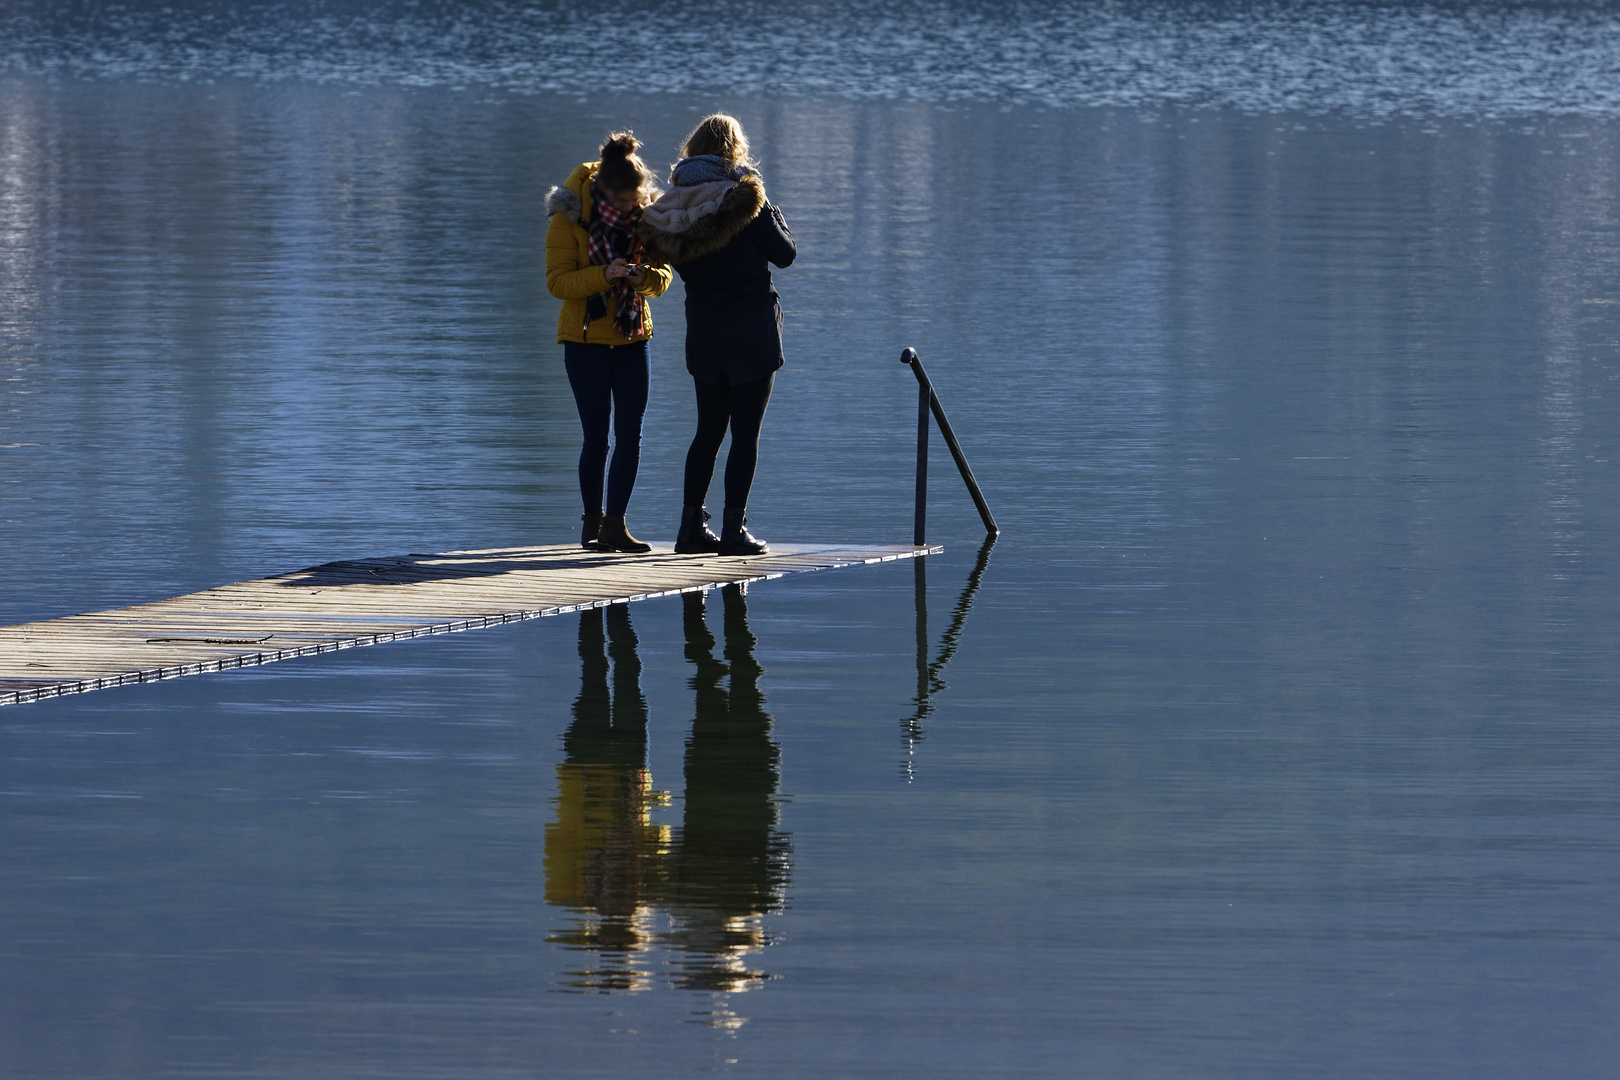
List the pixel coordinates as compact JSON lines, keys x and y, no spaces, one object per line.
{"x":1277,"y":736}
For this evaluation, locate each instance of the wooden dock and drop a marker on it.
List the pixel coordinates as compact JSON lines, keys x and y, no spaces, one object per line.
{"x":342,"y":605}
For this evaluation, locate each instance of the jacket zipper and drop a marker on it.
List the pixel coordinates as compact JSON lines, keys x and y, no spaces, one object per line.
{"x":585,"y":329}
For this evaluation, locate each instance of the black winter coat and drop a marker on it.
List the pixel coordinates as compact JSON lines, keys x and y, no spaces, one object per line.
{"x":733,"y":319}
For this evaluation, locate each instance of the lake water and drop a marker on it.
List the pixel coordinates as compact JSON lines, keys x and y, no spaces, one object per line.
{"x":1277,"y":736}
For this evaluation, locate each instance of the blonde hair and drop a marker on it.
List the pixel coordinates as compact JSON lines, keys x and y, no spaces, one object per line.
{"x":623,"y":170}
{"x":722,"y":136}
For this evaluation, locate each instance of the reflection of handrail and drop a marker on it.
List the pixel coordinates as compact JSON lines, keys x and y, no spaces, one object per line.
{"x":952,"y":636}
{"x":929,"y":681}
{"x":928,"y":401}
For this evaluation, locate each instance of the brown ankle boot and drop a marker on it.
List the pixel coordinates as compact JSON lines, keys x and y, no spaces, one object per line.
{"x":593,"y":528}
{"x":615,"y":536}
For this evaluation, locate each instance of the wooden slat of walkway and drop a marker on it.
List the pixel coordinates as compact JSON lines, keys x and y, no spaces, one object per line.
{"x":342,"y":605}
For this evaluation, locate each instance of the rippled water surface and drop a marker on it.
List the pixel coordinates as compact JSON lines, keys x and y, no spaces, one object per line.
{"x":1276,"y":736}
{"x":1495,"y":59}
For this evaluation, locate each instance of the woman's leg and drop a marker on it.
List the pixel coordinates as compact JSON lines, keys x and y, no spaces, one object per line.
{"x":714,"y":413}
{"x":629,"y":705}
{"x":589,"y":377}
{"x":632,"y":374}
{"x":748,"y":403}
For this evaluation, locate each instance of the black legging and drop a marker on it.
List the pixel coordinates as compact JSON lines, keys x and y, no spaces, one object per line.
{"x":743,"y":409}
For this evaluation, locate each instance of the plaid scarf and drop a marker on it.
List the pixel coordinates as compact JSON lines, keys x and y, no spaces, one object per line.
{"x":613,"y":236}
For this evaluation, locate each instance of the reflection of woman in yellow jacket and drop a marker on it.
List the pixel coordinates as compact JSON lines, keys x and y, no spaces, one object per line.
{"x":593,"y":265}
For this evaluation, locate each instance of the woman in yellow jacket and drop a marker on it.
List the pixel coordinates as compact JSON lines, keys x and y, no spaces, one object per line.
{"x":594,"y":266}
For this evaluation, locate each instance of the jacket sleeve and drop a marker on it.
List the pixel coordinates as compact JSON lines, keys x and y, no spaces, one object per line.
{"x":657,"y":280}
{"x":566,"y":279}
{"x":770,"y":232}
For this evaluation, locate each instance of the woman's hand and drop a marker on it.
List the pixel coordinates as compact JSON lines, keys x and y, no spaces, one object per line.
{"x":617,"y":269}
{"x":637,"y":276}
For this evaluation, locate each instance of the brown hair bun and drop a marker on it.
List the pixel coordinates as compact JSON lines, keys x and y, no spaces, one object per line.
{"x":620,"y":145}
{"x":622,"y":170}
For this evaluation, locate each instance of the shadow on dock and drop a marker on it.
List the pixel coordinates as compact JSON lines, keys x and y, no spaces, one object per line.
{"x":695,"y":893}
{"x":417,"y":568}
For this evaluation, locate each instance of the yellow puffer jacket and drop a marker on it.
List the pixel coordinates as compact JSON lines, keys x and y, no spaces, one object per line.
{"x":571,"y":278}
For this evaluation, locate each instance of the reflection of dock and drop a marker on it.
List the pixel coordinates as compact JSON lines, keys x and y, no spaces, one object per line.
{"x":342,"y":605}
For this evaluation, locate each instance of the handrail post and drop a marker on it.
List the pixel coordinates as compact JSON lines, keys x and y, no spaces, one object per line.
{"x":928,"y":400}
{"x":921,"y":522}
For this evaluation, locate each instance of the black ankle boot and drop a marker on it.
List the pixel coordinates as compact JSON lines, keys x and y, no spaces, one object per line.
{"x":695,"y":538}
{"x":615,"y":536}
{"x":734,"y":538}
{"x":592,"y":529}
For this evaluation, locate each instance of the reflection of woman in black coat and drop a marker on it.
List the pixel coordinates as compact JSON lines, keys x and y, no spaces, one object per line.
{"x":729,"y":863}
{"x":722,"y":236}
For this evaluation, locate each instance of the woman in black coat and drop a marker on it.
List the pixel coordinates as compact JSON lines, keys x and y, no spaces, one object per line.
{"x":717,"y":230}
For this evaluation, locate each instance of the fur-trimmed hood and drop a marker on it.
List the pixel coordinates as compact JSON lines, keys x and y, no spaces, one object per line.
{"x":681,"y":227}
{"x":569,"y":198}
{"x":559,"y":200}
{"x":679,"y":209}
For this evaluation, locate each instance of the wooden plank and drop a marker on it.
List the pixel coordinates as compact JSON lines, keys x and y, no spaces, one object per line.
{"x":343,"y":605}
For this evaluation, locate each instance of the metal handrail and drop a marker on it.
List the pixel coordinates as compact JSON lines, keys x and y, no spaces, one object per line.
{"x":928,"y":401}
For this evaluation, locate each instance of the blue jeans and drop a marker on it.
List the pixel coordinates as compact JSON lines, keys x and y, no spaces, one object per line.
{"x":609,"y":381}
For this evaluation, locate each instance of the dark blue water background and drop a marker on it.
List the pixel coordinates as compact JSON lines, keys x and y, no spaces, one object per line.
{"x":1281,"y":736}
